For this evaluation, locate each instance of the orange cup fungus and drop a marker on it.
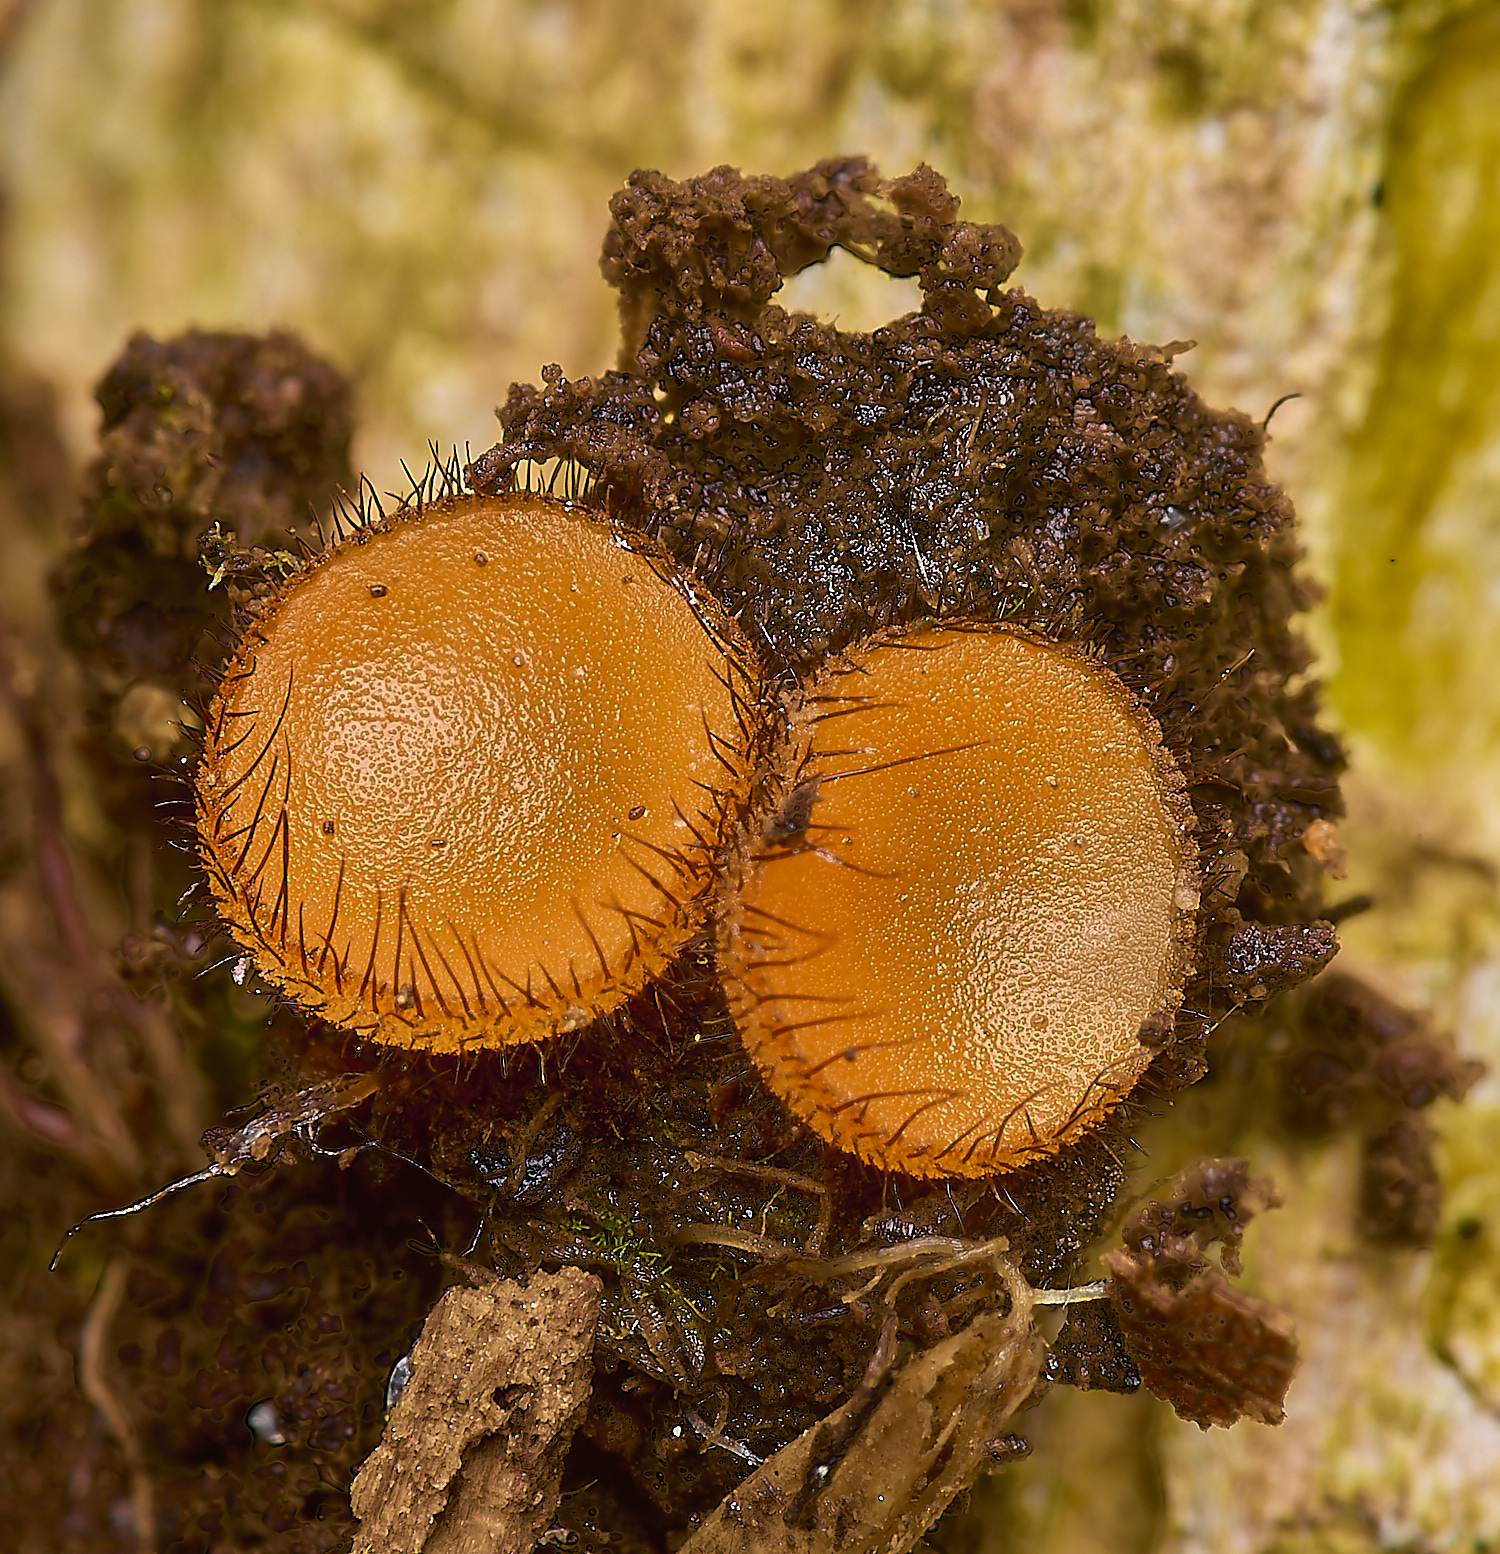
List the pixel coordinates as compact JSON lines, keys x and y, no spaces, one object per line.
{"x":466,"y":780}
{"x":979,"y":888}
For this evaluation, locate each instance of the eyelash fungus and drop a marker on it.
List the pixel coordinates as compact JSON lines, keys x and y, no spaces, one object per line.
{"x":977,"y":891}
{"x":465,"y":779}
{"x":980,"y":502}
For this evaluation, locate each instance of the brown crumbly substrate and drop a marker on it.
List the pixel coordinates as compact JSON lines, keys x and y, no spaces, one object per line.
{"x":1214,"y":1353}
{"x":983,"y":458}
{"x":243,"y":438}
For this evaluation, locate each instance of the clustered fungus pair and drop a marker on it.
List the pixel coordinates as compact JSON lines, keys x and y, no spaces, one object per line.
{"x":478,"y":772}
{"x":874,"y":718}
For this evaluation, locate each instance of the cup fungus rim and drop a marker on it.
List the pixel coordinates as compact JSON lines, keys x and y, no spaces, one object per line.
{"x":789,"y":752}
{"x":733,"y":798}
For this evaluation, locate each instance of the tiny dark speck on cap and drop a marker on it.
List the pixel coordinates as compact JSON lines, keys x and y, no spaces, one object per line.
{"x":377,"y":590}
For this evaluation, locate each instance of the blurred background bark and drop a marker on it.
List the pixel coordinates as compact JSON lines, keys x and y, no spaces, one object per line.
{"x":1309,"y":189}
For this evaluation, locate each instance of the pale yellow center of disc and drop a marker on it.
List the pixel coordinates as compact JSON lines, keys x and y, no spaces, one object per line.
{"x":948,"y":973}
{"x":464,"y":791}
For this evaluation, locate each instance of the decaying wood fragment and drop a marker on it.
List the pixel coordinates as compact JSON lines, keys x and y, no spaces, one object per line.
{"x":875,"y":1487}
{"x":473,"y":1451}
{"x":1215,"y":1354}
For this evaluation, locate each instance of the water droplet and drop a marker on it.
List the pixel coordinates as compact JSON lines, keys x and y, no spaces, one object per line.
{"x":265,"y":1423}
{"x":400,"y":1375}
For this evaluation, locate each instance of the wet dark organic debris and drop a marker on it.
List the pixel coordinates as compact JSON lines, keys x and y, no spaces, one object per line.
{"x":1089,"y":1352}
{"x":981,"y":458}
{"x":1257,"y":960}
{"x":1358,"y":1059}
{"x":1214,"y":1353}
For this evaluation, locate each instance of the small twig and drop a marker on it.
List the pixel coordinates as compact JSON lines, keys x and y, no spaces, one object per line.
{"x":96,"y":1388}
{"x":925,"y":1258}
{"x":48,"y":1003}
{"x":735,"y":1240}
{"x":1074,"y":1297}
{"x":520,"y":1151}
{"x":713,"y":1435}
{"x":179,"y":1084}
{"x":32,"y":1115}
{"x":820,"y":1269}
{"x":55,"y":978}
{"x":53,"y":866}
{"x":301,"y":1116}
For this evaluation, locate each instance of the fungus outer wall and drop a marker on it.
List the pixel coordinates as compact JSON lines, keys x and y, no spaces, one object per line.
{"x":465,"y":780}
{"x":948,"y":970}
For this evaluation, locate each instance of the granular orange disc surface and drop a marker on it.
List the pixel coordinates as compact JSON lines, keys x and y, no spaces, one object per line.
{"x":464,"y":783}
{"x":947,"y":971}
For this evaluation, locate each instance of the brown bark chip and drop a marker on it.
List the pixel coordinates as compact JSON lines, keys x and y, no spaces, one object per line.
{"x":1215,"y":1354}
{"x":474,"y":1447}
{"x":940,"y":1424}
